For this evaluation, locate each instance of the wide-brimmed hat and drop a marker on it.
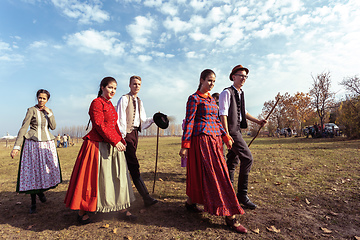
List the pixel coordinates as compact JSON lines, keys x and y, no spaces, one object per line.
{"x":237,"y":68}
{"x":161,"y":120}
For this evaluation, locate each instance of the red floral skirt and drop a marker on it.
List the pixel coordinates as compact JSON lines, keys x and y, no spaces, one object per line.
{"x":208,"y":181}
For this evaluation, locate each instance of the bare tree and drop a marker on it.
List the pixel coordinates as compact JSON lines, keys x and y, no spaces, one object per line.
{"x":322,"y":97}
{"x":351,"y":84}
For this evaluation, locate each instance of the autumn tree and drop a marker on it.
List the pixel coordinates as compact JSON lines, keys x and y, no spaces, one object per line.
{"x":300,"y":109}
{"x":322,"y":97}
{"x":351,"y":84}
{"x":275,"y":120}
{"x":349,"y":110}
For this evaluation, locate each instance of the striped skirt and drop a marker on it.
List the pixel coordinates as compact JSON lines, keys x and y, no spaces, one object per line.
{"x":208,"y":181}
{"x":100,"y":180}
{"x":39,"y":168}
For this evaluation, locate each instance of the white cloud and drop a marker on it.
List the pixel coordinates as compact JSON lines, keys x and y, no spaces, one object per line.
{"x":5,"y":56}
{"x":92,"y":40}
{"x":199,"y":4}
{"x":193,"y":54}
{"x":161,"y":54}
{"x":169,"y":9}
{"x":141,"y":29}
{"x":85,"y":12}
{"x":4,"y":46}
{"x":164,"y":37}
{"x":145,"y":58}
{"x":177,"y":25}
{"x":216,"y":14}
{"x":129,"y":1}
{"x":11,"y":57}
{"x":152,"y":3}
{"x":38,"y":44}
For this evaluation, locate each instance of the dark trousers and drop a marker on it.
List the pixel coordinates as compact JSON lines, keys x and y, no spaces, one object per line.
{"x":130,"y":154}
{"x":239,"y":152}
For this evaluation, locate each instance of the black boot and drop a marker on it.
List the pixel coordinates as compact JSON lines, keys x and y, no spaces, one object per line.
{"x":140,"y":186}
{"x":242,"y":192}
{"x":42,"y":197}
{"x":33,"y":203}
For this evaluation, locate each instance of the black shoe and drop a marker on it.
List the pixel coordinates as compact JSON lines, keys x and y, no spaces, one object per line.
{"x":149,"y":201}
{"x":82,"y":221}
{"x":42,"y":197}
{"x":127,"y":216}
{"x":140,"y":186}
{"x":192,"y":208}
{"x":245,"y":201}
{"x":33,"y":208}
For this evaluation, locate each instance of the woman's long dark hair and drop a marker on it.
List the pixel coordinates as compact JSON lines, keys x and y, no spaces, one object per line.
{"x":204,"y":74}
{"x":104,"y":83}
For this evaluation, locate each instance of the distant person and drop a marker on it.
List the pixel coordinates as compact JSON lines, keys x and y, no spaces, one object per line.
{"x":289,"y":132}
{"x":233,"y":117}
{"x":39,"y":168}
{"x":215,"y":96}
{"x":68,"y":140}
{"x":58,"y":140}
{"x":207,"y":179}
{"x":132,"y":119}
{"x":65,"y":141}
{"x":100,"y":180}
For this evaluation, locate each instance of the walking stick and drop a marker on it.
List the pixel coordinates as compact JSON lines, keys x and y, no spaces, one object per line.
{"x":265,"y":119}
{"x":157,"y":147}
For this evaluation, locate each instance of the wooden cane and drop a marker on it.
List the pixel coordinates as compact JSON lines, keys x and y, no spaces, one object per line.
{"x":157,"y":147}
{"x":265,"y":119}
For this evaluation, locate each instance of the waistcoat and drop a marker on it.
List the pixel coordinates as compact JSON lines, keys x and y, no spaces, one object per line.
{"x":236,"y":108}
{"x":130,"y":112}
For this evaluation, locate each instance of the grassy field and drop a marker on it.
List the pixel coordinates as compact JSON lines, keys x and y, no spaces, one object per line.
{"x":304,"y":189}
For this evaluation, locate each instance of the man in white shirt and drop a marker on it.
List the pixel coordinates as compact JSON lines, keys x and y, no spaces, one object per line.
{"x":65,"y":141}
{"x":233,"y":117}
{"x":131,"y":119}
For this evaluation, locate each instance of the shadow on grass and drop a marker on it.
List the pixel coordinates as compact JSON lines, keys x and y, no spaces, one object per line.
{"x":173,"y":177}
{"x":53,"y":215}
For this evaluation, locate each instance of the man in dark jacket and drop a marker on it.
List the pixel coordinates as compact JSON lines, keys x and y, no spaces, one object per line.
{"x":233,"y":117}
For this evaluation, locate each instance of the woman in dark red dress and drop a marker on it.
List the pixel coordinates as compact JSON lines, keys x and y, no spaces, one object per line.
{"x":100,"y":180}
{"x":207,"y":181}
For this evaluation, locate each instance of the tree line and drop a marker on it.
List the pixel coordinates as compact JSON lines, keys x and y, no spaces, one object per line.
{"x":318,"y":106}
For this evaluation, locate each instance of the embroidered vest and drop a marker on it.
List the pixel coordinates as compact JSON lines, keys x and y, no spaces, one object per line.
{"x":130,"y":112}
{"x":236,"y":108}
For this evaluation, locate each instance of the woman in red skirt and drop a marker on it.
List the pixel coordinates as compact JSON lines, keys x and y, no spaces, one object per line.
{"x":100,"y":180}
{"x":207,"y":181}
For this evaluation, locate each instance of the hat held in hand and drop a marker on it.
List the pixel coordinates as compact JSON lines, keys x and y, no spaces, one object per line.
{"x":161,"y":120}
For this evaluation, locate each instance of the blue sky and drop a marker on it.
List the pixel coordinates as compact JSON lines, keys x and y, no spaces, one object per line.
{"x":68,"y":46}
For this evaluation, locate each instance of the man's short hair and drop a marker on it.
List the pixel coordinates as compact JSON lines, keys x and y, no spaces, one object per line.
{"x":134,"y":77}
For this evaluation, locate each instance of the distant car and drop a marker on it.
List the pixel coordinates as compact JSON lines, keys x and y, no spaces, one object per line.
{"x":287,"y":132}
{"x":331,"y":125}
{"x":331,"y":129}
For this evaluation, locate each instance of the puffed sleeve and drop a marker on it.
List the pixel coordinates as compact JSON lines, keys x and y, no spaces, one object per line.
{"x":97,"y":118}
{"x":51,"y":120}
{"x":24,"y":127}
{"x":191,"y":108}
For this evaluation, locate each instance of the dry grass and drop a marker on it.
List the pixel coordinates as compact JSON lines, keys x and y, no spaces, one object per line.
{"x":301,"y":186}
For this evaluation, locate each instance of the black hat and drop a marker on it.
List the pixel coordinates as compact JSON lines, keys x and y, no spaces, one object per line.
{"x":161,"y":120}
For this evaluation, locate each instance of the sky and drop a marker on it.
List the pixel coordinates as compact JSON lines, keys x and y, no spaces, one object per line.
{"x":68,"y":46}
